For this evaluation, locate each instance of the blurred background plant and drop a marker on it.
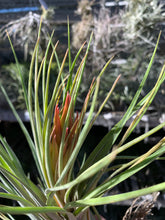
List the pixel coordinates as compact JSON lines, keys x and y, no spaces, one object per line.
{"x":23,"y":30}
{"x":129,"y":34}
{"x":141,"y":19}
{"x":12,"y":83}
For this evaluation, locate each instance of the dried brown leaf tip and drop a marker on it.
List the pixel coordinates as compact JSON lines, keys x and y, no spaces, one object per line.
{"x":141,"y":208}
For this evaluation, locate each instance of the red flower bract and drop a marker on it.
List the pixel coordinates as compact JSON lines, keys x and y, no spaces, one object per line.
{"x":71,"y":133}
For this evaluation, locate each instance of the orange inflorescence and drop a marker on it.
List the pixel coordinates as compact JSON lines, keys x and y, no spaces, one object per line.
{"x":71,"y":134}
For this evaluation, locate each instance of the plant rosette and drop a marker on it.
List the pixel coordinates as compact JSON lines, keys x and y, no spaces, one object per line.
{"x":58,"y":134}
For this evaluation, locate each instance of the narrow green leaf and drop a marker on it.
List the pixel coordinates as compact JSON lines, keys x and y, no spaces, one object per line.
{"x":16,"y":198}
{"x":19,"y":72}
{"x":38,"y":111}
{"x":69,"y":83}
{"x":30,"y":210}
{"x":25,"y":131}
{"x":117,"y":198}
{"x":31,"y":115}
{"x":10,"y":154}
{"x":47,"y":80}
{"x":44,"y":69}
{"x":144,"y":107}
{"x":105,"y":100}
{"x":69,"y":53}
{"x":83,"y":67}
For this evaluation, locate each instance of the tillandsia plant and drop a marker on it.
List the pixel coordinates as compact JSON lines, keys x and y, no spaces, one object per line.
{"x":58,"y":133}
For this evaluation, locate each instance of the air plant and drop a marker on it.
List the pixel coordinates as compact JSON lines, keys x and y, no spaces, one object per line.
{"x":58,"y":133}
